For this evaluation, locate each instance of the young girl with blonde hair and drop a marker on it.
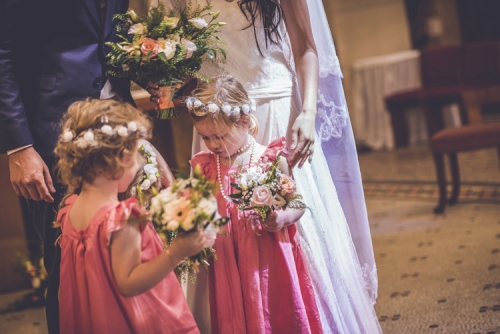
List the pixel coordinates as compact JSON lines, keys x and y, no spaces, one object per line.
{"x":259,"y":283}
{"x":115,"y":276}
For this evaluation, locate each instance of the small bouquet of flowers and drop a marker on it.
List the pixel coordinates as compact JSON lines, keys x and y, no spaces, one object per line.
{"x":264,"y":188}
{"x":164,"y":48}
{"x":187,"y":205}
{"x":35,"y":272}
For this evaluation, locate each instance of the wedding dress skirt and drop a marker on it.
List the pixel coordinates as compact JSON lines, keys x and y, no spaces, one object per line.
{"x":342,"y":271}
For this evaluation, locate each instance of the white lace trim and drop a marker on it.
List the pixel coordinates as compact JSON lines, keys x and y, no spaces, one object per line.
{"x":332,"y":118}
{"x":329,"y":65}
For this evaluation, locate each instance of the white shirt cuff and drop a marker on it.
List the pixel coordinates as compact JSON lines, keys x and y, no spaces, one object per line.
{"x":18,"y":149}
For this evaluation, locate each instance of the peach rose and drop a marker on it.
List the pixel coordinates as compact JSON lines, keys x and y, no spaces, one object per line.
{"x":149,"y":45}
{"x":262,"y":196}
{"x":287,"y":184}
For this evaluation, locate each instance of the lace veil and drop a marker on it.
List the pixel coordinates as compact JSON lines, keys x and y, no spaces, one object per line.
{"x":334,"y":129}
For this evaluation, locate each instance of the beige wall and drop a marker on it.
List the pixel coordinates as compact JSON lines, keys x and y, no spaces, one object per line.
{"x":366,"y":28}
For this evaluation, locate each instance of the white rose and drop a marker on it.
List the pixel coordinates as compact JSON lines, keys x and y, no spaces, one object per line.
{"x":245,"y":108}
{"x":207,"y":206}
{"x":132,"y":126}
{"x":122,"y":131}
{"x":155,"y":204}
{"x":152,"y":160}
{"x":88,"y":136}
{"x":253,"y":105}
{"x":252,"y":174}
{"x":81,"y":143}
{"x":167,"y":46}
{"x":107,"y":129}
{"x":172,"y":225}
{"x":67,"y":136}
{"x":212,"y":108}
{"x":148,"y":147}
{"x":197,"y":103}
{"x":278,"y":201}
{"x":236,"y":110}
{"x":166,"y":195}
{"x":137,"y":28}
{"x":146,"y":184}
{"x":150,"y":169}
{"x":199,"y":23}
{"x":226,"y":108}
{"x":189,"y":104}
{"x":190,"y":47}
{"x":152,"y":178}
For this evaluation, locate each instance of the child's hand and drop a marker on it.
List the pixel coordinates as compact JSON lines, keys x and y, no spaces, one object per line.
{"x":273,"y":223}
{"x":189,"y":244}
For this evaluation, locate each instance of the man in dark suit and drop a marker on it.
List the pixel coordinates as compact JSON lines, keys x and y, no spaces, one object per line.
{"x":51,"y":54}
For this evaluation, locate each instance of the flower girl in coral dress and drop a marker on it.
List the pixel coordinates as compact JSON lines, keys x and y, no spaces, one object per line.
{"x":115,"y":276}
{"x":259,"y":283}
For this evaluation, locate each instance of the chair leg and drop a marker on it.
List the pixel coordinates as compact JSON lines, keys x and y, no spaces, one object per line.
{"x":441,"y":178}
{"x":399,"y":127}
{"x":455,"y":174}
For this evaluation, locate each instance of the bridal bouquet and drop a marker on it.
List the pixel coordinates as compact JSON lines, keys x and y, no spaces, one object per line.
{"x":264,"y":188}
{"x":187,"y":205}
{"x":164,"y":48}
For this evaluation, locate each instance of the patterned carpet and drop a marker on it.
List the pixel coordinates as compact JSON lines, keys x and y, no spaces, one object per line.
{"x":429,"y":190}
{"x":437,"y":273}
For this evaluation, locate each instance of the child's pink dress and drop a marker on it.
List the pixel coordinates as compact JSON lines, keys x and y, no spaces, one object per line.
{"x":258,"y":284}
{"x":89,"y":299}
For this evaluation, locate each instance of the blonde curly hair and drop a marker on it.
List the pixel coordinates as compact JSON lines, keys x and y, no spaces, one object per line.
{"x":77,"y":164}
{"x":220,"y":90}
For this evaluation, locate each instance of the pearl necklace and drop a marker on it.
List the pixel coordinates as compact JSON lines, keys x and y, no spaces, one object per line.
{"x":223,"y":193}
{"x":241,"y":150}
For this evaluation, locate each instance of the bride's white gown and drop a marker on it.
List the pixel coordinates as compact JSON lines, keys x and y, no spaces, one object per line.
{"x":344,"y":293}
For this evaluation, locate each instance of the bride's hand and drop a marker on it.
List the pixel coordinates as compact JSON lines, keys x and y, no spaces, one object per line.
{"x":302,"y":141}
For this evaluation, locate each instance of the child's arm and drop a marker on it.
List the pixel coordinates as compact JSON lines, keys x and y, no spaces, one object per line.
{"x":134,"y":277}
{"x":276,"y":220}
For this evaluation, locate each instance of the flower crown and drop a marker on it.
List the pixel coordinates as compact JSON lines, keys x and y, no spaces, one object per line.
{"x":91,"y":137}
{"x":193,"y":103}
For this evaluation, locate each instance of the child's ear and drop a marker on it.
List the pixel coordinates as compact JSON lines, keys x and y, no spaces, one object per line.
{"x":244,"y":121}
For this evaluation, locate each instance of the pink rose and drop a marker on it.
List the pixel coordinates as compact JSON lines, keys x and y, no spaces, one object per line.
{"x":287,"y":184}
{"x":262,"y":196}
{"x":149,"y":45}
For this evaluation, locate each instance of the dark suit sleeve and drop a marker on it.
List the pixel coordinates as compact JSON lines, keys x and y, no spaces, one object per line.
{"x":14,"y":129}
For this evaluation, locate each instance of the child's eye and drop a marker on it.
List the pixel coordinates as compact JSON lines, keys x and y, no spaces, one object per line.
{"x":204,"y":138}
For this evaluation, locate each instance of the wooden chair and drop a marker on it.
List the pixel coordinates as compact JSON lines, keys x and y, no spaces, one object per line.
{"x":473,"y":136}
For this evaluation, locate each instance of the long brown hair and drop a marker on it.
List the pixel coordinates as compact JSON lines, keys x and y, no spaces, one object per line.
{"x":270,"y":12}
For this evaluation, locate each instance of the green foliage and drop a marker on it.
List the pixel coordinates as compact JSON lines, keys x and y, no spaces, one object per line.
{"x":125,"y":60}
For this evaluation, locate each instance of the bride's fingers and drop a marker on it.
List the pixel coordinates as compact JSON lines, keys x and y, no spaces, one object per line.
{"x":307,"y":154}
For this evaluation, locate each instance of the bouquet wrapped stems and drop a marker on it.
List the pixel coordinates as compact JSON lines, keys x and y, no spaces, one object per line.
{"x":166,"y":109}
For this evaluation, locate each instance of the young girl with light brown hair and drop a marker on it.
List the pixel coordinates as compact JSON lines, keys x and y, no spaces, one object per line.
{"x":115,"y":275}
{"x":259,"y":283}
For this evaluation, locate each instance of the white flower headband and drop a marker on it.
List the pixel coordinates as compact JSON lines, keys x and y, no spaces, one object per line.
{"x":212,"y":108}
{"x":87,"y":138}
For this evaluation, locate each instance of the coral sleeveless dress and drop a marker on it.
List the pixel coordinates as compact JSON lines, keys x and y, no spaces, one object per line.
{"x":89,"y":299}
{"x":258,"y":284}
